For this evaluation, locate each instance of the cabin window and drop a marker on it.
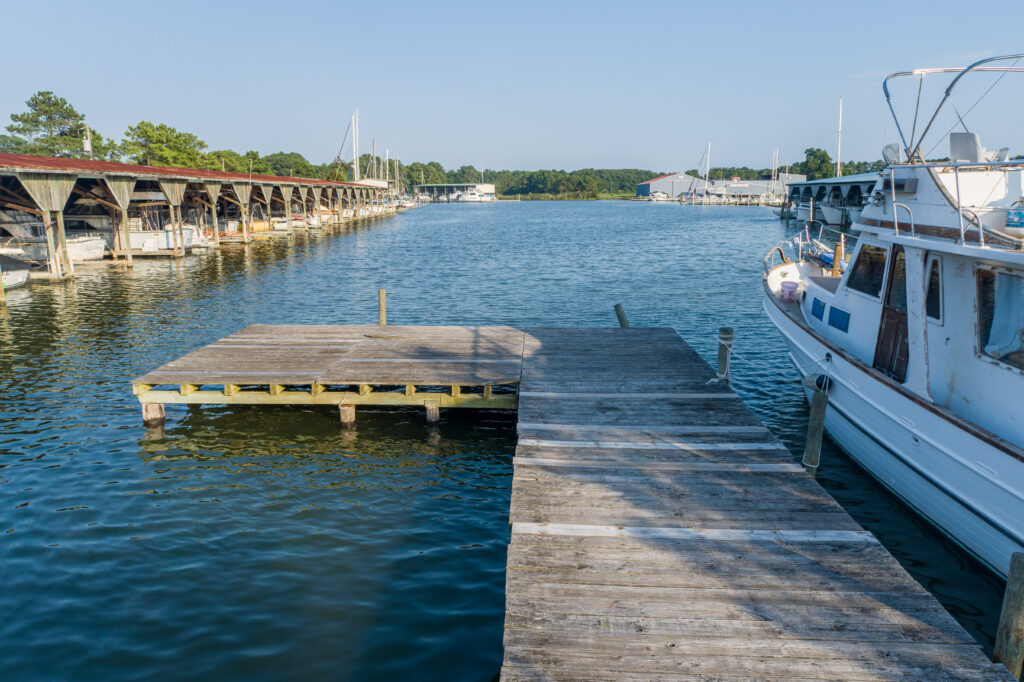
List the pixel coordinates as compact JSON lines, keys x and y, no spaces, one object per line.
{"x":1001,"y":316}
{"x":818,"y":308}
{"x":897,"y":298}
{"x":933,"y":299}
{"x":840,"y":319}
{"x":868,"y":274}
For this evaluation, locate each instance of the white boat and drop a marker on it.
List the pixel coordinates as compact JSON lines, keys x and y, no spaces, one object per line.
{"x":21,"y":231}
{"x":921,"y":342}
{"x":13,"y":272}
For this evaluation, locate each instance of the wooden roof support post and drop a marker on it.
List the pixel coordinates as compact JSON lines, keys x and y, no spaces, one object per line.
{"x":286,"y":192}
{"x":52,"y":261}
{"x":174,"y":191}
{"x":213,"y":191}
{"x":69,"y":267}
{"x":50,"y":192}
{"x":119,"y":188}
{"x":244,"y":193}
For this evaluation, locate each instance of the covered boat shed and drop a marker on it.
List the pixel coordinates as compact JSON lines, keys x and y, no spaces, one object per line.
{"x":47,"y":187}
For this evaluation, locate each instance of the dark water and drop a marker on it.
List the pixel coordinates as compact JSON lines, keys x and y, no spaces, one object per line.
{"x":271,"y":543}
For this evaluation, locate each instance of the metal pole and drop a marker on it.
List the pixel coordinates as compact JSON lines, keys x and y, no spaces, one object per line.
{"x":959,"y":210}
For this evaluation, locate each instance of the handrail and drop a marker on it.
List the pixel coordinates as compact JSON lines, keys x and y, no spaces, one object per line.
{"x":771,"y":254}
{"x":895,"y":212}
{"x":983,"y":228}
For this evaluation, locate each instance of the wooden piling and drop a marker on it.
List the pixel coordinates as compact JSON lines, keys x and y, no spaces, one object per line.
{"x":69,"y":268}
{"x":1009,"y":649}
{"x":347,"y":413}
{"x":838,"y":256}
{"x":152,"y":414}
{"x":621,"y":314}
{"x":725,"y":337}
{"x":815,"y":422}
{"x":382,"y":307}
{"x":433,"y":412}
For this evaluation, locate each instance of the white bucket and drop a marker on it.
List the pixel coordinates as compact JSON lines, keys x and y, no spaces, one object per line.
{"x":788,"y":294}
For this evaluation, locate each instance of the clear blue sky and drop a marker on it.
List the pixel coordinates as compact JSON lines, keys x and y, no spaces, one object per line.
{"x":508,"y":85}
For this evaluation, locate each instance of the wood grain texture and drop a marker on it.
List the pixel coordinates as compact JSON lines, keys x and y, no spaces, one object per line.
{"x":660,"y":532}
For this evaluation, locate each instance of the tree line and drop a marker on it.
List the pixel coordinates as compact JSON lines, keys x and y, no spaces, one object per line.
{"x":817,"y":164}
{"x":51,"y":126}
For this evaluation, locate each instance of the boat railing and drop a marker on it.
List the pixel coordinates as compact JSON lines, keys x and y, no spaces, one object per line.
{"x":896,"y":217}
{"x":769,"y":258}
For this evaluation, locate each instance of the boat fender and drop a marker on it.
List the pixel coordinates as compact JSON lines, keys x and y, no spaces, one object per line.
{"x":818,"y":382}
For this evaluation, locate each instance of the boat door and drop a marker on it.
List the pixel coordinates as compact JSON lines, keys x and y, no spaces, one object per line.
{"x":892,"y":350}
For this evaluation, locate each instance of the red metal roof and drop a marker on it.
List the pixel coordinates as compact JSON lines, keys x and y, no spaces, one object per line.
{"x":645,"y":182}
{"x":27,"y":162}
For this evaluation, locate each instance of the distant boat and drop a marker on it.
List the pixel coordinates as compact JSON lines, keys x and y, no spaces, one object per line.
{"x":13,"y":272}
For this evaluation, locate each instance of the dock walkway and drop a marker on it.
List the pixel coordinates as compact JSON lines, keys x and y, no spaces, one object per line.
{"x":659,"y":529}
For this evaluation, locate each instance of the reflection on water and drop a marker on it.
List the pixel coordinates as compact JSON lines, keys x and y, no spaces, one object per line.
{"x":275,"y":543}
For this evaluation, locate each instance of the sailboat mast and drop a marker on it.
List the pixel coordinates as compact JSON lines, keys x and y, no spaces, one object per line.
{"x":355,"y":146}
{"x":839,"y":142}
{"x":707,"y":173}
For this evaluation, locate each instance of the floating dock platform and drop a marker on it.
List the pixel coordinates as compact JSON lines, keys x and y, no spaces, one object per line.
{"x":659,"y":529}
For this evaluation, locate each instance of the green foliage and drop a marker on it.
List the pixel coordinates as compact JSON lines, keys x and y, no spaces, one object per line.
{"x":52,"y":127}
{"x":161,"y":145}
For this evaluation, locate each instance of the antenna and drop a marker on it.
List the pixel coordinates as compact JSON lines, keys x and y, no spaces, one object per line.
{"x":355,"y":145}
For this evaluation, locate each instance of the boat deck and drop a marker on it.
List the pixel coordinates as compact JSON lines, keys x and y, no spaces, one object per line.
{"x":659,"y":529}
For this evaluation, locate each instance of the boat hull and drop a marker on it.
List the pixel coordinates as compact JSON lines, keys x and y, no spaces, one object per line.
{"x":831,"y":215}
{"x":80,"y":249}
{"x":962,"y":484}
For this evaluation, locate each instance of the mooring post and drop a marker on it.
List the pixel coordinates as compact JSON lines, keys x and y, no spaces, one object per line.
{"x":725,"y":335}
{"x":621,"y":314}
{"x":382,"y":307}
{"x":152,"y":414}
{"x":433,"y":412}
{"x":819,"y":385}
{"x":347,"y":413}
{"x":1009,"y":649}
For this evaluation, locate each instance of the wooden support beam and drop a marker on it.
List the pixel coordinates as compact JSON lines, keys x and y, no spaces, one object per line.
{"x":433,"y":411}
{"x":99,"y":200}
{"x":19,"y":207}
{"x":1009,"y":648}
{"x":276,"y":389}
{"x":69,"y":267}
{"x":365,"y":389}
{"x":347,"y":413}
{"x":152,"y":414}
{"x":186,"y":389}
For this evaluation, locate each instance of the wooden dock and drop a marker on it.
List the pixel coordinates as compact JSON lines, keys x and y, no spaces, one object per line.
{"x":659,"y":530}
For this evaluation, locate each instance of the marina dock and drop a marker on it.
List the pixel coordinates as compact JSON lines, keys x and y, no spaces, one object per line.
{"x":658,"y":529}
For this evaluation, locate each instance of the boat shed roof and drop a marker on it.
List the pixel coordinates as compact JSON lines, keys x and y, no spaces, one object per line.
{"x":842,"y":180}
{"x":11,"y":164}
